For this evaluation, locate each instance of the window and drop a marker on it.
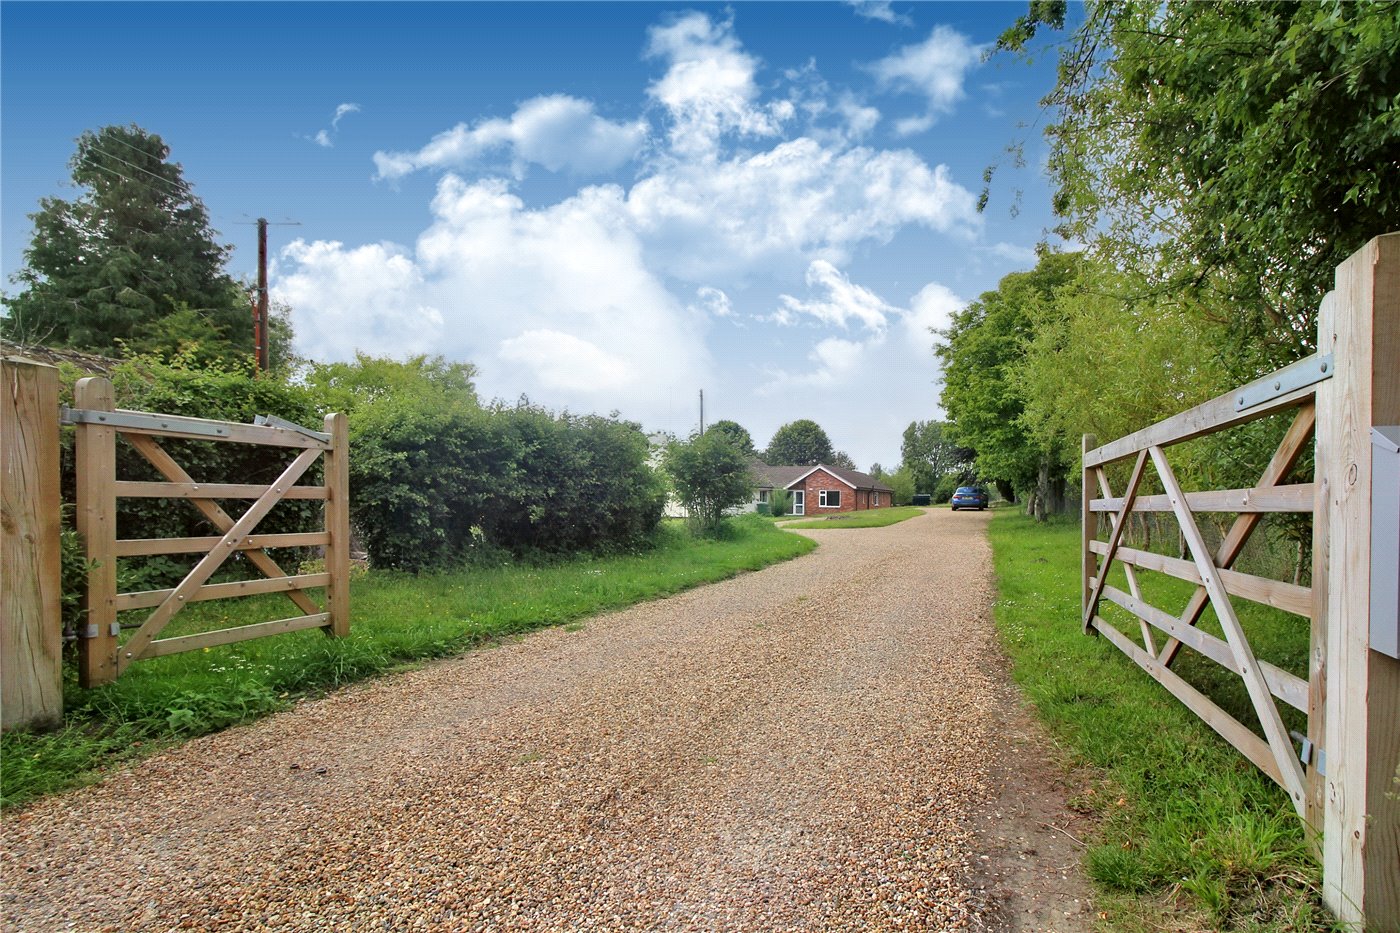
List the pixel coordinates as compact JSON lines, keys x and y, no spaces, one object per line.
{"x":875,"y":500}
{"x":829,"y":498}
{"x":763,"y":495}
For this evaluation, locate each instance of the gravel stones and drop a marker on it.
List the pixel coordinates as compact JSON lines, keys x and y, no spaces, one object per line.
{"x":802,"y":748}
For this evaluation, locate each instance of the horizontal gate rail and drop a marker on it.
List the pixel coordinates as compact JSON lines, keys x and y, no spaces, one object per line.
{"x":147,"y":599}
{"x":1295,"y":498}
{"x":147,"y":547}
{"x":1289,"y":597}
{"x":128,"y":489}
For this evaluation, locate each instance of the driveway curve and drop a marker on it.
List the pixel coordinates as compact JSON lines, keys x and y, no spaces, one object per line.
{"x":827,"y":744}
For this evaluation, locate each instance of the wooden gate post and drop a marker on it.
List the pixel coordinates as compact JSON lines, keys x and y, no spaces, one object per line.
{"x":95,"y":449}
{"x":31,"y":627}
{"x":1361,"y":821}
{"x":337,"y":472}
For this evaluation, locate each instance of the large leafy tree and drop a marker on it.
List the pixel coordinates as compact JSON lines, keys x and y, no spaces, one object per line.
{"x":982,"y":353}
{"x":131,"y":260}
{"x":799,"y":443}
{"x":738,"y":435}
{"x":929,"y":453}
{"x":1237,"y":151}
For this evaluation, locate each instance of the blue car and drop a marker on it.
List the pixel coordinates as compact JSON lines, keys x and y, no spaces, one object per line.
{"x":970,"y":497}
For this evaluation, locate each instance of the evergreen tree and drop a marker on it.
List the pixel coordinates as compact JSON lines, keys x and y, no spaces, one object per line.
{"x":131,"y":260}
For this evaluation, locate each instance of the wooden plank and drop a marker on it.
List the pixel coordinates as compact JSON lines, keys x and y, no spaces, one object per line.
{"x":1229,"y":728}
{"x":1287,"y":454}
{"x":1361,"y":837}
{"x":1088,"y":530}
{"x":166,"y":465}
{"x":337,"y":472}
{"x":1249,"y":671}
{"x":1294,"y":498}
{"x":1115,"y":537}
{"x":1288,"y":597}
{"x":1317,"y":653}
{"x":31,"y":624}
{"x":228,"y":636}
{"x":231,"y":541}
{"x":95,"y":456}
{"x":199,"y":429}
{"x":127,"y":489}
{"x":1207,"y":418}
{"x":143,"y":547}
{"x":149,"y":598}
{"x":1128,"y":571}
{"x":1289,"y":688}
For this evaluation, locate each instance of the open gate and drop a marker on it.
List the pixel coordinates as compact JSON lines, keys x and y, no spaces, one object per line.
{"x":1344,"y":776}
{"x":103,"y":655}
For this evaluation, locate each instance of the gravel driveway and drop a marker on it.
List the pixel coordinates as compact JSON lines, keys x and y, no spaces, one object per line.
{"x":828,"y":744}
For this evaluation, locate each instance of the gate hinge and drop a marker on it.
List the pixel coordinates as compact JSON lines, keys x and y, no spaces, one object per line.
{"x":1310,"y":754}
{"x":1294,"y":376}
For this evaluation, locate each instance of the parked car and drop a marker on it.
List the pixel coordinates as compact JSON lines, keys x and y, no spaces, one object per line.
{"x":970,"y":497}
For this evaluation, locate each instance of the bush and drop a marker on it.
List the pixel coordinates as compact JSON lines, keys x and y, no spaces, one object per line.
{"x":780,"y":502}
{"x":710,"y":475}
{"x":948,"y":485}
{"x":433,"y":484}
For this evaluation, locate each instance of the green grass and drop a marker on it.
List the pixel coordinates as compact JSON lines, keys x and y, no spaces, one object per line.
{"x":873,"y":518}
{"x":1190,"y":835}
{"x":397,"y":620}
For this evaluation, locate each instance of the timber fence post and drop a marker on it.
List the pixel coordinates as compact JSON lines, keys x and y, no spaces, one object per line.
{"x":1361,"y":824}
{"x":1088,"y":527}
{"x":31,"y":627}
{"x":95,"y":450}
{"x":337,"y":469}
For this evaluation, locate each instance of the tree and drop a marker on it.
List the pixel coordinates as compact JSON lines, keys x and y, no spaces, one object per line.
{"x":131,"y":252}
{"x":843,"y":460}
{"x":1235,"y":152}
{"x":930,"y":454}
{"x":799,"y":443}
{"x":982,"y":352}
{"x":349,"y":386}
{"x":737,"y":435}
{"x":710,"y":475}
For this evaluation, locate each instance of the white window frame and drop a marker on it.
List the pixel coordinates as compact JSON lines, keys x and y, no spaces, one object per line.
{"x":822,"y":499}
{"x":763,"y":495}
{"x":875,"y":499}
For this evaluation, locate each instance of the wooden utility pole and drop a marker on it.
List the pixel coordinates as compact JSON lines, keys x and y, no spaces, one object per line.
{"x":260,"y":335}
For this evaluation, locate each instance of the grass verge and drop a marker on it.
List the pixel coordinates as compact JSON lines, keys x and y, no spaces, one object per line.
{"x":398,"y":619}
{"x":873,"y":518}
{"x":1190,"y":835}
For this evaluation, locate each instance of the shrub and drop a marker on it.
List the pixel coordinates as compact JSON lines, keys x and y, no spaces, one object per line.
{"x":780,"y":502}
{"x":710,"y":475}
{"x":948,"y":485}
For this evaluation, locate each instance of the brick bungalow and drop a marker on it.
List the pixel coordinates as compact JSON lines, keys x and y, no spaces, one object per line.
{"x":822,"y":489}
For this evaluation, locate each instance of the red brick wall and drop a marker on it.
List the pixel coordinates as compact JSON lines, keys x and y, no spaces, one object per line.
{"x":852,"y":500}
{"x":823,"y":480}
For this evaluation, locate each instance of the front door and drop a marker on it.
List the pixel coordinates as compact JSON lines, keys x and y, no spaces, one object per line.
{"x":799,"y":502}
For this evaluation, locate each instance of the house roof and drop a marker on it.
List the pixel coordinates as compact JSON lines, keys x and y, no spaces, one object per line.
{"x":787,"y":476}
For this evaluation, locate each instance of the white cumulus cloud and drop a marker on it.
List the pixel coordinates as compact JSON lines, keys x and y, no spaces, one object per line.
{"x":879,"y":10}
{"x":935,"y":68}
{"x":556,"y":131}
{"x":840,"y":301}
{"x":708,"y":88}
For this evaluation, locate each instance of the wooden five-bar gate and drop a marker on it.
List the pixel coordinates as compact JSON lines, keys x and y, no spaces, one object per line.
{"x":1344,"y":775}
{"x":103,"y":655}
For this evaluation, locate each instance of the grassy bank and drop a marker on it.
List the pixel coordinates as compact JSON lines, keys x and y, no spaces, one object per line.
{"x":873,"y":518}
{"x":397,"y":620}
{"x":1191,"y":836}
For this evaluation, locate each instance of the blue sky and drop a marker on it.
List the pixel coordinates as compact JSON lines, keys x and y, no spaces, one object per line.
{"x":603,"y":206}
